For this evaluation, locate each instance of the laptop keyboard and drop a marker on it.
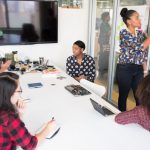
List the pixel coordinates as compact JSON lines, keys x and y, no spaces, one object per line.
{"x":107,"y":111}
{"x":77,"y":90}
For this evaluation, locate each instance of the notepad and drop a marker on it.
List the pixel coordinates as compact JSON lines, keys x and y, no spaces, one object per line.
{"x":52,"y":133}
{"x":35,"y":85}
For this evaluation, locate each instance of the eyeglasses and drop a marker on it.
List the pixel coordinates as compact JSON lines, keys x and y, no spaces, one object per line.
{"x":19,"y":91}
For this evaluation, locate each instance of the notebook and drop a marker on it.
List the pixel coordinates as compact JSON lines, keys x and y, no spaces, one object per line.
{"x":101,"y":109}
{"x":77,"y":90}
{"x":52,"y":133}
{"x":35,"y":85}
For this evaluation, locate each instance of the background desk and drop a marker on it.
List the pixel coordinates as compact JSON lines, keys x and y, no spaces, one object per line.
{"x":82,"y":128}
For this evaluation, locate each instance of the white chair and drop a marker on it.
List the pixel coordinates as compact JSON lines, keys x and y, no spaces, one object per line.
{"x":93,"y":87}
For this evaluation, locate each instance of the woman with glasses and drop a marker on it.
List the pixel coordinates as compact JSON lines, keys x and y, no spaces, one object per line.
{"x":20,"y":104}
{"x":13,"y":132}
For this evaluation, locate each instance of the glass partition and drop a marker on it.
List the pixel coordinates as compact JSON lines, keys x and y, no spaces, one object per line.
{"x":103,"y":31}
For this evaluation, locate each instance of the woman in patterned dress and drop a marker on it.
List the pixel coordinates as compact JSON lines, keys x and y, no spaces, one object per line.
{"x":133,"y":55}
{"x":80,"y":65}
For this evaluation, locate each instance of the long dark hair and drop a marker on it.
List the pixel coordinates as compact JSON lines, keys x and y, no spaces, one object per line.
{"x":7,"y":89}
{"x":126,"y":14}
{"x":10,"y":74}
{"x":143,"y":92}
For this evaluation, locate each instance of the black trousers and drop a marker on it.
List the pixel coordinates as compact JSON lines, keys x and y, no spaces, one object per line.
{"x":128,"y":77}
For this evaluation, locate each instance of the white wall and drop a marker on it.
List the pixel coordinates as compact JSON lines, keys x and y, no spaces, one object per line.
{"x":72,"y":26}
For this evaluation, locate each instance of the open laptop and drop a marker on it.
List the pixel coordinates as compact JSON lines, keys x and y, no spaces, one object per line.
{"x":101,"y":109}
{"x":77,"y":90}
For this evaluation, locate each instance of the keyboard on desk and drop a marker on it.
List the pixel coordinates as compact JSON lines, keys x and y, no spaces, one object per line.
{"x":77,"y":90}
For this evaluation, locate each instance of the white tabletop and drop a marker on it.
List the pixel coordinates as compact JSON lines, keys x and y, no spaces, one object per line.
{"x":82,"y":128}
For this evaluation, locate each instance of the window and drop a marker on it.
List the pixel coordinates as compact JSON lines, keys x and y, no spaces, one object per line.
{"x":70,"y":3}
{"x":17,"y":11}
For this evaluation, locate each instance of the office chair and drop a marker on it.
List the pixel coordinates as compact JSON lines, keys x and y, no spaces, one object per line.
{"x":93,"y":87}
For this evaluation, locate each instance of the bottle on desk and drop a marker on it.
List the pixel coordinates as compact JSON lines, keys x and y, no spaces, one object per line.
{"x":41,"y":60}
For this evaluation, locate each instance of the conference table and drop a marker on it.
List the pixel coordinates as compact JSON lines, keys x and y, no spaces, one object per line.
{"x":81,"y":127}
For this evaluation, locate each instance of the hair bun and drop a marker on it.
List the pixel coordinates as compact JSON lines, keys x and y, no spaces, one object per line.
{"x":123,"y":12}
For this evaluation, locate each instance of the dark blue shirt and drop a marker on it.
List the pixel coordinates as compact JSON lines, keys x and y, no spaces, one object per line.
{"x":131,"y":48}
{"x":87,"y":67}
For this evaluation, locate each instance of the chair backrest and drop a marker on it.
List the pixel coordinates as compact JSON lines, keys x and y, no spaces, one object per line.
{"x":93,"y":87}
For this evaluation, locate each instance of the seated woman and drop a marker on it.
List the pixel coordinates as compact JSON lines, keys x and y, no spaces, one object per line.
{"x":80,"y":65}
{"x":20,"y":103}
{"x":4,"y":64}
{"x":141,"y":113}
{"x":12,"y":130}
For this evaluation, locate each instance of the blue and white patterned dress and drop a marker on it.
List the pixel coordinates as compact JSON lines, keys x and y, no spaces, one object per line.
{"x":131,"y":48}
{"x":87,"y":67}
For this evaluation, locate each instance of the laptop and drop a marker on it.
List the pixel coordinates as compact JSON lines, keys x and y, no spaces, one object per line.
{"x":77,"y":90}
{"x":101,"y":109}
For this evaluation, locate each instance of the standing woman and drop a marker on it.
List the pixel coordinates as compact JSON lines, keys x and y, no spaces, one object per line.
{"x":133,"y":55}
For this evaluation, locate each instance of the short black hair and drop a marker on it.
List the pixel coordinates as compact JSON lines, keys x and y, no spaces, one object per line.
{"x":143,"y":92}
{"x":7,"y":89}
{"x":10,"y":74}
{"x":126,"y":14}
{"x":80,"y":44}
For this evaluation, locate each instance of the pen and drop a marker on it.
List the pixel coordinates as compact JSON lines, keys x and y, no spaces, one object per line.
{"x":27,"y":99}
{"x":54,"y":134}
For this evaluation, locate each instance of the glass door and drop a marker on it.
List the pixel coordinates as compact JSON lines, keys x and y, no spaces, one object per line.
{"x":103,"y":34}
